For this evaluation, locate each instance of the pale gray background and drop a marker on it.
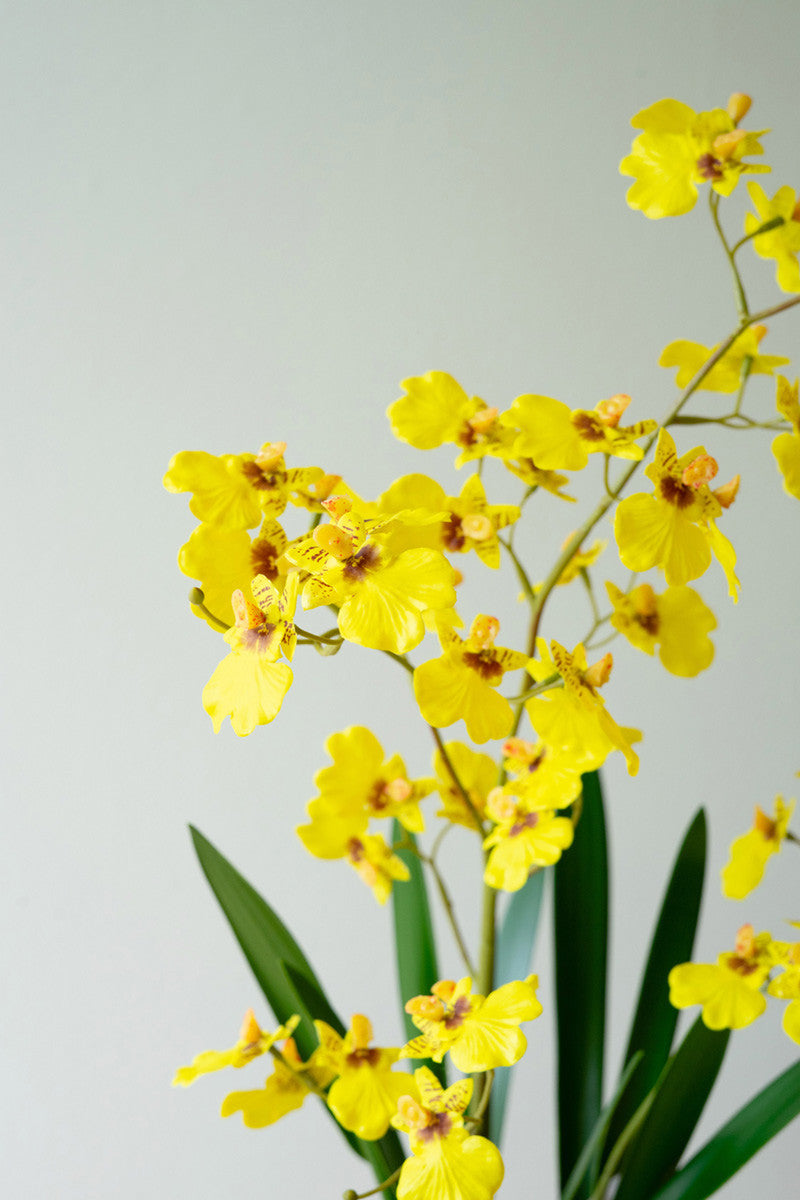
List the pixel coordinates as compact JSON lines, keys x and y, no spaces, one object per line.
{"x":235,"y":222}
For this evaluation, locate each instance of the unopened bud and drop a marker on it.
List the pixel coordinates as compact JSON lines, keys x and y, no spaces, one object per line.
{"x":335,"y":541}
{"x":250,"y":1031}
{"x":270,"y":453}
{"x":337,"y":506}
{"x":600,"y":672}
{"x":728,"y":492}
{"x":725,"y":145}
{"x":483,"y":420}
{"x":484,"y":630}
{"x":609,"y":411}
{"x":477,"y":526}
{"x":361,"y":1027}
{"x":700,"y":471}
{"x":760,"y":331}
{"x":738,"y":106}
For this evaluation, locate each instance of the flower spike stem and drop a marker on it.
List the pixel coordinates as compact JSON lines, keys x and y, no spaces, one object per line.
{"x":775,"y":223}
{"x":581,"y":534}
{"x":197,"y":598}
{"x":741,"y":299}
{"x":465,"y":796}
{"x":625,"y":1138}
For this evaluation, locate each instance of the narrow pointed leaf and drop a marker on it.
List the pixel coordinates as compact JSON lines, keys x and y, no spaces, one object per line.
{"x":599,"y":1132}
{"x":515,"y":943}
{"x":415,"y":944}
{"x":581,"y":940}
{"x":284,"y":975}
{"x":738,"y":1140}
{"x":654,"y":1021}
{"x":680,"y":1098}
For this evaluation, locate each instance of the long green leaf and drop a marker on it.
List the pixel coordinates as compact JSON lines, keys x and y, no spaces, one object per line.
{"x":284,"y":975}
{"x":680,"y":1097}
{"x":738,"y":1140}
{"x":581,"y":939}
{"x":513,"y":954}
{"x":654,"y":1021}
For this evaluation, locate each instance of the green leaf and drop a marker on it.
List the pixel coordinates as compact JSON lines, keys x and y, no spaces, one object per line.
{"x":513,"y":954}
{"x":679,"y":1100}
{"x":417,"y":968}
{"x":654,"y":1021}
{"x":599,"y":1132}
{"x":738,"y":1140}
{"x":581,"y":937}
{"x":284,"y":975}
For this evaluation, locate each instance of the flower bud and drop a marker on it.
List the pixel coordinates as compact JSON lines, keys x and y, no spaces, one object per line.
{"x":738,"y":106}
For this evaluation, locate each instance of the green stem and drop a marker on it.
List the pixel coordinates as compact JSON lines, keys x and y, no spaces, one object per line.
{"x":387,"y":1183}
{"x":522,"y":574}
{"x":465,"y":796}
{"x":741,"y":298}
{"x":775,"y":223}
{"x":604,"y":505}
{"x":450,"y":912}
{"x":628,"y":1133}
{"x":197,"y":598}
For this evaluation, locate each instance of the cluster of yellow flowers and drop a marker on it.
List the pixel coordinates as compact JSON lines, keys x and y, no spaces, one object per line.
{"x":385,"y":567}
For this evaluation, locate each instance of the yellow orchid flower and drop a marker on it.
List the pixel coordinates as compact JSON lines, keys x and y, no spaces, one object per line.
{"x":462,"y":682}
{"x":382,"y":597}
{"x":544,"y":777}
{"x":782,"y":243}
{"x":364,"y":1095}
{"x":284,"y":1091}
{"x":469,"y":521}
{"x":249,"y":685}
{"x":237,"y":490}
{"x":674,"y":528}
{"x":751,"y":851}
{"x":447,"y":1163}
{"x":730,"y":989}
{"x":559,"y":438}
{"x":786,"y":446}
{"x":680,"y":149}
{"x":435,"y":409}
{"x":479,"y":1032}
{"x":524,"y":838}
{"x":361,"y":784}
{"x":677,"y":622}
{"x":252,"y":1043}
{"x":726,"y":375}
{"x":374,"y":862}
{"x":225,"y":560}
{"x":573,"y":718}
